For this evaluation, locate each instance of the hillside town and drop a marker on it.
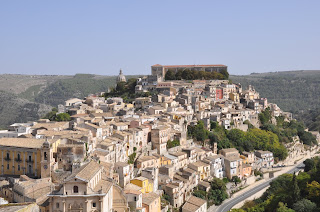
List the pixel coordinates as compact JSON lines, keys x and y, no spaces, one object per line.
{"x":118,"y":155}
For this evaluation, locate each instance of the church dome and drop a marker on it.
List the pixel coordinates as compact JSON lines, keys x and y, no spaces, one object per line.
{"x":121,"y":77}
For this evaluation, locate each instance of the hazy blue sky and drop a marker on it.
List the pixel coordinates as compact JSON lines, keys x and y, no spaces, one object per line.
{"x":100,"y":37}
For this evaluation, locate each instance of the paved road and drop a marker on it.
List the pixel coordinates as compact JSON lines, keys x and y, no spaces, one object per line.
{"x":227,"y":205}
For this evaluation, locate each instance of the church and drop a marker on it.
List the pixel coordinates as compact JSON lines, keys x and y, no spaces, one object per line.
{"x":121,"y":77}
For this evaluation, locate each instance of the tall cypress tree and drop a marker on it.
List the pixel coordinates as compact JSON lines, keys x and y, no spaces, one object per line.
{"x":295,"y":189}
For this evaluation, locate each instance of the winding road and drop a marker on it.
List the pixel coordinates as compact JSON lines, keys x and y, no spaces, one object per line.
{"x":227,"y":205}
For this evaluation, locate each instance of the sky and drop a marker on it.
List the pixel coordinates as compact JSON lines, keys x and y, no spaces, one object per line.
{"x":100,"y":37}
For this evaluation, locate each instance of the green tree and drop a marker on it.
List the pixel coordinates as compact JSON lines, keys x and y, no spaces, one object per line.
{"x":265,"y":116}
{"x":217,"y":196}
{"x":120,"y":88}
{"x":295,"y":189}
{"x":170,"y":75}
{"x":283,"y":208}
{"x":51,"y":115}
{"x":313,"y":190}
{"x":54,"y":109}
{"x":62,"y":117}
{"x":308,"y":165}
{"x":199,"y":132}
{"x":236,"y":180}
{"x":132,"y":158}
{"x":304,"y":205}
{"x":173,"y":143}
{"x":200,"y":193}
{"x":179,"y":74}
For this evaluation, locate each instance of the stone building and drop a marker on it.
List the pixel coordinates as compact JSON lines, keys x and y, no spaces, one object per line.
{"x":84,"y":190}
{"x":26,"y":156}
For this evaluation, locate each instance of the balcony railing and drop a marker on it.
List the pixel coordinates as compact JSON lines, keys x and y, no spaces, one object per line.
{"x":18,"y":160}
{"x":7,"y":158}
{"x":29,"y":161}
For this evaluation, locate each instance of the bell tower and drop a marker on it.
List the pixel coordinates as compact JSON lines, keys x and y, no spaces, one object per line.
{"x":47,"y":159}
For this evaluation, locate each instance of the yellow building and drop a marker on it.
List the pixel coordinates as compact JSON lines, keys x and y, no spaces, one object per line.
{"x":234,"y":97}
{"x":244,"y":159}
{"x":162,"y":160}
{"x":26,"y":156}
{"x":144,"y":183}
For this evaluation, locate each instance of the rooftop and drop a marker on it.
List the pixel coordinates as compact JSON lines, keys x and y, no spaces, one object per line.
{"x":149,"y":198}
{"x":22,"y":142}
{"x":85,"y":172}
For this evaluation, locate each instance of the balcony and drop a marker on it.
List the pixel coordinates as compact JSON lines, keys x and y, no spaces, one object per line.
{"x":29,"y":161}
{"x":18,"y":160}
{"x":7,"y":158}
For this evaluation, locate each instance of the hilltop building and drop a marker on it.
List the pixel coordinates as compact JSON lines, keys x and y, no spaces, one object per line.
{"x":160,"y":70}
{"x":121,"y":77}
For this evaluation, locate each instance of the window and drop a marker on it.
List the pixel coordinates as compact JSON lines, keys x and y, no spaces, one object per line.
{"x":30,"y":158}
{"x":57,"y":205}
{"x":75,"y":189}
{"x":18,"y":167}
{"x":94,"y":204}
{"x":7,"y":166}
{"x":19,"y":157}
{"x":8,"y":155}
{"x":45,"y":155}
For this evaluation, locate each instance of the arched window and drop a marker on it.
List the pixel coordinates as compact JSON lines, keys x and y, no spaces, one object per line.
{"x":19,"y":157}
{"x":75,"y":189}
{"x":8,"y":155}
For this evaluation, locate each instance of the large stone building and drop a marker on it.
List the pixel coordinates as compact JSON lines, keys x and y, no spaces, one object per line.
{"x":160,"y":70}
{"x":26,"y":156}
{"x":84,"y":190}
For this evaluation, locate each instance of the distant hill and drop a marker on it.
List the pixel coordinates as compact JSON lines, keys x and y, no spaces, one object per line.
{"x":292,"y":90}
{"x":28,"y":97}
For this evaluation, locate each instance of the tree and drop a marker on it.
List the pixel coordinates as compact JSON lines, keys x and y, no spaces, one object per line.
{"x":62,"y":117}
{"x":173,"y":143}
{"x":132,"y":158}
{"x":131,"y":84}
{"x":200,"y":193}
{"x":236,"y":180}
{"x":304,"y":205}
{"x":308,"y":165}
{"x":217,"y":183}
{"x":217,"y":196}
{"x":121,"y":87}
{"x":51,"y":115}
{"x":295,"y":189}
{"x":200,"y":132}
{"x":213,"y":125}
{"x":313,"y":190}
{"x":225,"y":74}
{"x":179,"y":74}
{"x":283,"y":208}
{"x":170,"y":75}
{"x":265,"y":116}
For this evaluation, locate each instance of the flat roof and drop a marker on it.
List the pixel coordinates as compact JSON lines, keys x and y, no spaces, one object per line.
{"x":22,"y":142}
